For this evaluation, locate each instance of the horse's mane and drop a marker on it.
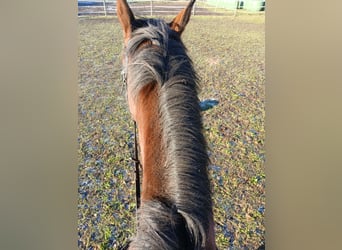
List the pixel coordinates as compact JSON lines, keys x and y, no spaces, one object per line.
{"x":186,"y":209}
{"x":160,"y":226}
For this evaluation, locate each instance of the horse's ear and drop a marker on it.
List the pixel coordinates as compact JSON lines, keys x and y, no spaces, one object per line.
{"x":181,"y":20}
{"x":125,"y":16}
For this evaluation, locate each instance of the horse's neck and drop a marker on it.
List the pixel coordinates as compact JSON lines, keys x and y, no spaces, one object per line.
{"x":150,"y":142}
{"x":155,"y":182}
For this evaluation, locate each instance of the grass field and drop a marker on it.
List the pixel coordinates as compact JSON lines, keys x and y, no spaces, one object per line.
{"x":229,"y":55}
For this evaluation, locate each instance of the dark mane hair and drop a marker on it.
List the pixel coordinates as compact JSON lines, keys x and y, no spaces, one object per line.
{"x":179,"y":220}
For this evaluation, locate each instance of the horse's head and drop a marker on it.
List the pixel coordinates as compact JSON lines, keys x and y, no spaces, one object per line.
{"x":162,"y":85}
{"x":146,"y":39}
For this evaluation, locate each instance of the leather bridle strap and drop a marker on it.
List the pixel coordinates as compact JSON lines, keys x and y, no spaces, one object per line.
{"x":135,"y":157}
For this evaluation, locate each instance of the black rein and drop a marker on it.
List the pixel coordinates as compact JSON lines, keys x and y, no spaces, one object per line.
{"x":137,"y":169}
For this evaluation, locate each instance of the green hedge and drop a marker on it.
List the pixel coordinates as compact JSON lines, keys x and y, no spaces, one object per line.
{"x":250,"y":5}
{"x":254,"y":5}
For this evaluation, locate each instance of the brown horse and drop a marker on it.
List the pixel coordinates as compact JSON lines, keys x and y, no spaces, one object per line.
{"x":162,"y":86}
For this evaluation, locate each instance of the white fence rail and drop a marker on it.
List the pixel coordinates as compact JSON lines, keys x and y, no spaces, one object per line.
{"x":153,"y":8}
